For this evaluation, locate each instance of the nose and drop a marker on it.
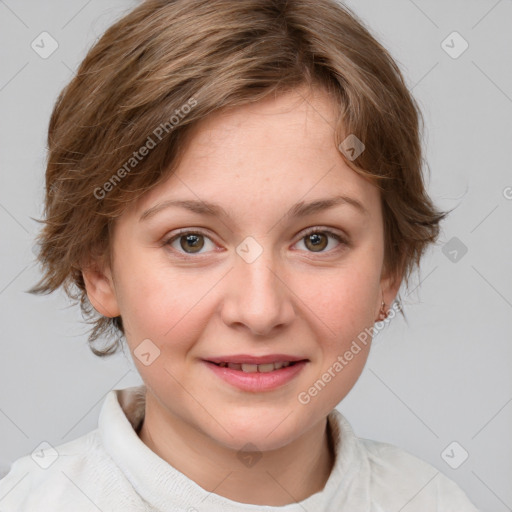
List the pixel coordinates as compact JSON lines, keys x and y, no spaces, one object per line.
{"x":258,"y":297}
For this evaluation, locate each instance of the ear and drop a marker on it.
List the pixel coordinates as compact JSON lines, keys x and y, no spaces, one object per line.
{"x":100,"y":288}
{"x":389,"y":285}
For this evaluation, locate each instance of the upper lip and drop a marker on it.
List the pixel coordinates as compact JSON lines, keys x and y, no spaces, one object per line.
{"x":245,"y":358}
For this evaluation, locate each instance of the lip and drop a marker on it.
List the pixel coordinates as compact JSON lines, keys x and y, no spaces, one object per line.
{"x":246,"y":358}
{"x":257,"y":382}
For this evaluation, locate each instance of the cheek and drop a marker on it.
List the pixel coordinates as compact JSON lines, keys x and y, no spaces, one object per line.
{"x":155,"y":302}
{"x":160,"y":309}
{"x":342,"y":301}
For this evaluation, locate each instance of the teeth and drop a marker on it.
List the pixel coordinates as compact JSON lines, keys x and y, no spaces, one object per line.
{"x":253,"y":368}
{"x":265,"y":368}
{"x":250,"y":368}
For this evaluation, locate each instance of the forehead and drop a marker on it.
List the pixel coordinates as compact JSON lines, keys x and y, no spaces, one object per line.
{"x":303,"y":115}
{"x":264,"y":155}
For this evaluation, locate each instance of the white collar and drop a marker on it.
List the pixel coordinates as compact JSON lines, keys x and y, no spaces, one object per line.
{"x":168,"y":490}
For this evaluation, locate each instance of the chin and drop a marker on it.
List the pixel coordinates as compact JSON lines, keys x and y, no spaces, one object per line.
{"x":266,"y":432}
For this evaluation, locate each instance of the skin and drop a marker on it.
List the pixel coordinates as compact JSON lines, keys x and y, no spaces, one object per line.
{"x":296,"y":298}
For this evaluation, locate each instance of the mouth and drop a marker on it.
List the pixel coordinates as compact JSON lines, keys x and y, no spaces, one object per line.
{"x":257,"y":374}
{"x":257,"y":368}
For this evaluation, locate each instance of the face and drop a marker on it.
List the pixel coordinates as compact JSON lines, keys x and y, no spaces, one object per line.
{"x":258,"y":275}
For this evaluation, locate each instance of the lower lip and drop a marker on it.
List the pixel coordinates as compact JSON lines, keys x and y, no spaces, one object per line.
{"x":257,"y":381}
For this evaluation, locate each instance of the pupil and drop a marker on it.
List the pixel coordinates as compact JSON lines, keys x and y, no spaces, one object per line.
{"x":315,"y":239}
{"x":192,"y":241}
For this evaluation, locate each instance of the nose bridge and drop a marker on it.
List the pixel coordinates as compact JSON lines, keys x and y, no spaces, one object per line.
{"x":258,"y":297}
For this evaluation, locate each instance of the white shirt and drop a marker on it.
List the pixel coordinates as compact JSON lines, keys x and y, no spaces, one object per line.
{"x":110,"y":469}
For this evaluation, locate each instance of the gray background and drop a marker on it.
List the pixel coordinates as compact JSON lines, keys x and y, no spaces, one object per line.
{"x":444,"y":377}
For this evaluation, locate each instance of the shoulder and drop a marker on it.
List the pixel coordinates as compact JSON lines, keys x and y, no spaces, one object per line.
{"x":78,"y":475}
{"x":400,"y":479}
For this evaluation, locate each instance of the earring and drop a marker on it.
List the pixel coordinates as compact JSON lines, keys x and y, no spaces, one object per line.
{"x":383,"y":314}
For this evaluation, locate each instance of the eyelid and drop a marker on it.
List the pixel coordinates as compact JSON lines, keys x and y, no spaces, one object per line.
{"x":340,"y":237}
{"x":323,"y":229}
{"x":186,"y":231}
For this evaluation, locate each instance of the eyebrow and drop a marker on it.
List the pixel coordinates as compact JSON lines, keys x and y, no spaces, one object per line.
{"x":300,"y":209}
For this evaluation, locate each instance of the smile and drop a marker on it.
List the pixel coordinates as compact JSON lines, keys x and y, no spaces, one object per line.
{"x":257,"y":378}
{"x":261,"y":368}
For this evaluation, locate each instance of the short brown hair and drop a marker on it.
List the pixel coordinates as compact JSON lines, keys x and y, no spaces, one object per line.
{"x":167,"y":65}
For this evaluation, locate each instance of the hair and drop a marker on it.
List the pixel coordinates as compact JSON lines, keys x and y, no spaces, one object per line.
{"x":118,"y":129}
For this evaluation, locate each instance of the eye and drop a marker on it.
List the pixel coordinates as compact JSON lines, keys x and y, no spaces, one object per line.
{"x":190,"y":242}
{"x":317,"y":239}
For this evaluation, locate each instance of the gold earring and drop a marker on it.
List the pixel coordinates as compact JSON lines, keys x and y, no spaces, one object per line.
{"x":383,"y":314}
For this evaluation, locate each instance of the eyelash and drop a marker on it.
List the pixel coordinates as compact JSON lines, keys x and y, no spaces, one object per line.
{"x":339,"y":238}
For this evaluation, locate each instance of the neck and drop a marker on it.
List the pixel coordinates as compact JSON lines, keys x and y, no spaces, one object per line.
{"x":286,"y":475}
